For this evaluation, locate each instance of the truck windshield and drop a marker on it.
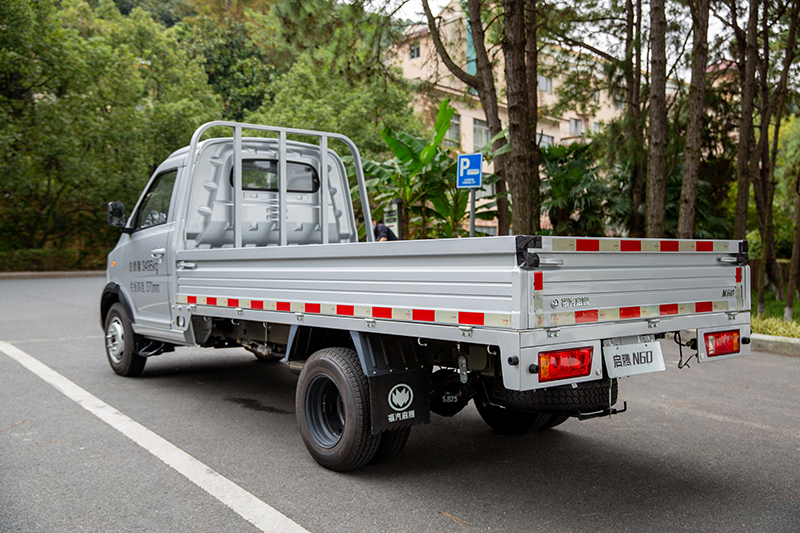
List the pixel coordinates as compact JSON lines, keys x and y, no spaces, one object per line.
{"x":262,"y":175}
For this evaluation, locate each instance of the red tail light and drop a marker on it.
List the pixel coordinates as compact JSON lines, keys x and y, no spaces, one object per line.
{"x":722,"y":342}
{"x":563,"y":364}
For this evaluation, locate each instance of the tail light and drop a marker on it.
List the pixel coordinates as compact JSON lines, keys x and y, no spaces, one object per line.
{"x":723,"y":342}
{"x":563,"y":364}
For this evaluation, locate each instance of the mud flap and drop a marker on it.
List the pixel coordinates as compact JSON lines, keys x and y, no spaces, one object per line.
{"x":399,"y":381}
{"x":399,"y":399}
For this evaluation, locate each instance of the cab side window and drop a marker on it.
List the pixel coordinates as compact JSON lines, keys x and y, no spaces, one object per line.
{"x":155,"y":206}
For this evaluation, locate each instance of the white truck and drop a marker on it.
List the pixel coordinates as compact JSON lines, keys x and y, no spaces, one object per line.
{"x":253,"y":242}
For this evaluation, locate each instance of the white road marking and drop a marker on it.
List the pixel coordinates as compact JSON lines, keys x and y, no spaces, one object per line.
{"x":239,"y":500}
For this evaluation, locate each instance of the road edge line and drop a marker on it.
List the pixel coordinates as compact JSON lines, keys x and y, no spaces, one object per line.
{"x":243,"y":503}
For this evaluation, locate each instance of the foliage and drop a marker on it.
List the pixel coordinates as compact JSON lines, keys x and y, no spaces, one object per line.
{"x":91,"y":102}
{"x":576,"y":199}
{"x":242,"y":58}
{"x":166,"y":12}
{"x":415,"y":175}
{"x":348,"y":39}
{"x":774,"y":326}
{"x":311,"y":98}
{"x":771,"y":321}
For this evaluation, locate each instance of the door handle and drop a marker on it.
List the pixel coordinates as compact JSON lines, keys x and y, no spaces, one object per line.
{"x":157,"y":253}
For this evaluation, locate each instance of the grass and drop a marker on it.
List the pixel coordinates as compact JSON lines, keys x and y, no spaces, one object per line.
{"x":771,"y":322}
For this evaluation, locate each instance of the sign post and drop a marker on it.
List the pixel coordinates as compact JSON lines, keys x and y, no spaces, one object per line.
{"x":469,"y":176}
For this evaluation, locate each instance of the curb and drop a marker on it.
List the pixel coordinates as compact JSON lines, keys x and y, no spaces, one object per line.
{"x":774,"y":344}
{"x":53,"y":274}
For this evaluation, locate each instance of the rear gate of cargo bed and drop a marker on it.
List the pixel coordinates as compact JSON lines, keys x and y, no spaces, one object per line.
{"x":625,"y":291}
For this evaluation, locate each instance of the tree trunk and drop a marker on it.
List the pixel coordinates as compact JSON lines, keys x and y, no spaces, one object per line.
{"x":694,"y":130}
{"x":795,"y":268}
{"x":532,"y":69}
{"x":519,"y":162}
{"x":655,"y":210}
{"x":633,"y":80}
{"x":746,"y":122}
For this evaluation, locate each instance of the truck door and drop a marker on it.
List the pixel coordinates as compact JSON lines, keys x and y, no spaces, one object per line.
{"x":146,"y":253}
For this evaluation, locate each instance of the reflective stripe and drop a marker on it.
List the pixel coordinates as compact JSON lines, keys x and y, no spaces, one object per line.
{"x":566,"y":244}
{"x":496,"y":320}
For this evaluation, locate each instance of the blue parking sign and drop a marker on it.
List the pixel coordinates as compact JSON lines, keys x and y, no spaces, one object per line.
{"x":469,"y":171}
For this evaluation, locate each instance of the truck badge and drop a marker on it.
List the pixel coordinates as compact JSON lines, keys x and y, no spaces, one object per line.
{"x":400,"y":397}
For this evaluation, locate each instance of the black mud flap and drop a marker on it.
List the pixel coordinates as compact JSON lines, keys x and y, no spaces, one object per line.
{"x":399,"y":399}
{"x":399,"y":380}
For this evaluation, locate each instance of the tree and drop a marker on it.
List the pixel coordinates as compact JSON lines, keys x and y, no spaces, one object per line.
{"x":92,"y":101}
{"x":242,"y":57}
{"x":313,"y":98}
{"x":694,"y":130}
{"x":483,"y":82}
{"x":657,"y":138}
{"x":627,"y":149}
{"x":577,"y":200}
{"x":791,"y":174}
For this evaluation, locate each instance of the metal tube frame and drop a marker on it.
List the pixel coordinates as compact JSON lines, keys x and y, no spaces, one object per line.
{"x":238,"y":127}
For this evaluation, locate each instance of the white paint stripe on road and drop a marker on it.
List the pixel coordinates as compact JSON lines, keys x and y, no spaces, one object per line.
{"x":239,"y":500}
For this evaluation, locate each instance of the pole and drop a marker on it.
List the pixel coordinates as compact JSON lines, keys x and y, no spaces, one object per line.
{"x":472,"y":212}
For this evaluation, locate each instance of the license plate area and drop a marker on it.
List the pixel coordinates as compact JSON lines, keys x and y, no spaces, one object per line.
{"x":629,"y":356}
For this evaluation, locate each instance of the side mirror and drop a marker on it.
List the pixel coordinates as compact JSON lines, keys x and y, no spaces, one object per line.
{"x":116,"y":214}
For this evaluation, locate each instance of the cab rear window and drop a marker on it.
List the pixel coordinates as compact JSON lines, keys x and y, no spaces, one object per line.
{"x":262,"y":175}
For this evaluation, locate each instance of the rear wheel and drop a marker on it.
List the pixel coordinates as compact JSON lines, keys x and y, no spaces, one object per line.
{"x":333,"y":410}
{"x":120,"y":347}
{"x":392,"y":443}
{"x":509,"y":421}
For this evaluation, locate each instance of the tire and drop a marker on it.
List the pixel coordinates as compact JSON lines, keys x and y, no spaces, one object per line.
{"x":120,"y":343}
{"x":509,"y":421}
{"x":333,"y":410}
{"x":392,"y":443}
{"x":586,"y":397}
{"x":555,"y":420}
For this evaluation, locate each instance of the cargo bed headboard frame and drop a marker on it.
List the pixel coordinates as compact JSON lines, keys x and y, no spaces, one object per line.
{"x":282,"y":174}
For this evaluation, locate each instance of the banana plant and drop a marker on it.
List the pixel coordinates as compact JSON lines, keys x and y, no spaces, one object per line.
{"x":416,"y":173}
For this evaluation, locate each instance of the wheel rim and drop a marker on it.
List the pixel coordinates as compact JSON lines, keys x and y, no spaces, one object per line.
{"x":115,"y":340}
{"x":324,"y":411}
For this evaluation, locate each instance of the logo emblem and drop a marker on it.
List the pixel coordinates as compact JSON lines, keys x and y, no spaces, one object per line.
{"x":554,"y":303}
{"x":400,"y":397}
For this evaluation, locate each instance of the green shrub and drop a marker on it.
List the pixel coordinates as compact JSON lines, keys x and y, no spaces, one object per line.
{"x":774,"y":326}
{"x":51,"y":259}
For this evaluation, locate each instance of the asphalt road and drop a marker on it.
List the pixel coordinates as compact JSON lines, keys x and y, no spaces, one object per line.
{"x":712,"y":448}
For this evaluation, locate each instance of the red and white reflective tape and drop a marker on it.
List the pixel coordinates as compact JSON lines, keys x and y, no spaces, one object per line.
{"x":565,"y":244}
{"x":390,"y":313}
{"x":626,"y":313}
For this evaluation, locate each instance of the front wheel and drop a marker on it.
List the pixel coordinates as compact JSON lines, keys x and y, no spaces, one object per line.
{"x":333,"y":410}
{"x":120,"y":347}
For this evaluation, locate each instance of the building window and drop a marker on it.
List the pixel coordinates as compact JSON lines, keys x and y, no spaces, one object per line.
{"x":619,"y":102}
{"x":597,"y":127}
{"x":596,"y":97}
{"x":480,"y":134}
{"x":545,"y":84}
{"x":413,"y":49}
{"x":453,"y":136}
{"x":544,"y":140}
{"x":575,"y":126}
